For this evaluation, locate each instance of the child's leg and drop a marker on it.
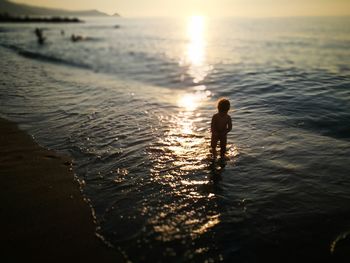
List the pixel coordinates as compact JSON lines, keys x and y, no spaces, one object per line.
{"x":223,"y":142}
{"x":213,"y":143}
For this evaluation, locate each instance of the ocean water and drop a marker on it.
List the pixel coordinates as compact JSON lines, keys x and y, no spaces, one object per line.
{"x":132,"y":105}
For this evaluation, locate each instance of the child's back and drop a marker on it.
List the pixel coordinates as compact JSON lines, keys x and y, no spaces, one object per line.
{"x":221,"y":124}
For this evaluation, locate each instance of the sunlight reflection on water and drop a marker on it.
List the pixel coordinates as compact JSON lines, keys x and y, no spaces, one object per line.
{"x":196,"y":47}
{"x":182,"y":203}
{"x":195,"y":55}
{"x":180,"y":165}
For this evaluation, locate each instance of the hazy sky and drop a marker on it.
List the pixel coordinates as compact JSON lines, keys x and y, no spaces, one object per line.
{"x":204,"y":7}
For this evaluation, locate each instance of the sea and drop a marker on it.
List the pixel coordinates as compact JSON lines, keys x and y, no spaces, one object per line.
{"x":131,"y":102}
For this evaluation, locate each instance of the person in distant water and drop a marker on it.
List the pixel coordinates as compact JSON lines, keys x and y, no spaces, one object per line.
{"x":40,"y":36}
{"x":221,"y":124}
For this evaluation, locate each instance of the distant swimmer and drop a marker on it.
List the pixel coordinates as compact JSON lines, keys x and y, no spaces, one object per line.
{"x":76,"y":38}
{"x":62,"y":32}
{"x":40,"y":36}
{"x":221,"y":124}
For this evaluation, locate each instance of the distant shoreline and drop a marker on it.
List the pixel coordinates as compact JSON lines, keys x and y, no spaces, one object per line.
{"x":6,"y":18}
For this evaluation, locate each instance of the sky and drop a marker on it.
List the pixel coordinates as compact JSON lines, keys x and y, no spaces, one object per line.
{"x":215,"y":8}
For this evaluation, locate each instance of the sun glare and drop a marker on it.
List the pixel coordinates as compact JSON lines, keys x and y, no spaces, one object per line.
{"x":196,"y":27}
{"x":189,"y":102}
{"x":196,"y":48}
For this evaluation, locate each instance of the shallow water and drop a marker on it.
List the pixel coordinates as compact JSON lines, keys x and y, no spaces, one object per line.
{"x":132,"y":106}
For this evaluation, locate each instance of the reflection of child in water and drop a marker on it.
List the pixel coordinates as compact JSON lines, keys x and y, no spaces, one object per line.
{"x":221,"y":124}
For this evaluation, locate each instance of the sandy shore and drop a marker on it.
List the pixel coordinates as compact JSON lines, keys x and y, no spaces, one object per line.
{"x":43,"y":216}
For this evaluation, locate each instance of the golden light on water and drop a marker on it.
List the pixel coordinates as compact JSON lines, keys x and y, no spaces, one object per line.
{"x":180,"y":165}
{"x":195,"y":56}
{"x":186,"y":122}
{"x":184,"y":148}
{"x":183,"y":141}
{"x":212,"y":221}
{"x":196,"y":47}
{"x":189,"y":102}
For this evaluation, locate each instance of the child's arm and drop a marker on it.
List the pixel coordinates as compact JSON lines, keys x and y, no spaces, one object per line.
{"x":229,"y":124}
{"x":212,"y":124}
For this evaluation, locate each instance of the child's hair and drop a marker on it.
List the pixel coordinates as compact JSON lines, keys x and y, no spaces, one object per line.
{"x":223,"y":105}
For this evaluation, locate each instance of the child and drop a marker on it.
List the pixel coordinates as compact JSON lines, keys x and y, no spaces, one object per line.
{"x":221,"y":124}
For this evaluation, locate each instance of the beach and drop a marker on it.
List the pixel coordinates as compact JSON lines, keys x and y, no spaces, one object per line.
{"x":44,"y":216}
{"x":132,"y":106}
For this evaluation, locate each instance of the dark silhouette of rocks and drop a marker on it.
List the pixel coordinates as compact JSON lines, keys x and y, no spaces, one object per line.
{"x":6,"y":18}
{"x":22,"y":10}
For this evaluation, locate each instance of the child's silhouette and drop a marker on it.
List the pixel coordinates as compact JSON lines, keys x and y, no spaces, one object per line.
{"x":221,"y":124}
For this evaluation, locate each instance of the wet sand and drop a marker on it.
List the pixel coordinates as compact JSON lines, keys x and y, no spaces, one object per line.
{"x":43,"y":215}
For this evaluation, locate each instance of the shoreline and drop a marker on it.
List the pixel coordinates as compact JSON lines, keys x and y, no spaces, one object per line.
{"x":43,"y":213}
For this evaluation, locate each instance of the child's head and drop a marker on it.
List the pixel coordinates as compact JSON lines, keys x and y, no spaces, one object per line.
{"x":223,"y":105}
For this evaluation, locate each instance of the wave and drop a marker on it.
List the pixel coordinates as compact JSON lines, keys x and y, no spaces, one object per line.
{"x":44,"y":57}
{"x":145,"y":65}
{"x":336,"y":127}
{"x":135,"y":63}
